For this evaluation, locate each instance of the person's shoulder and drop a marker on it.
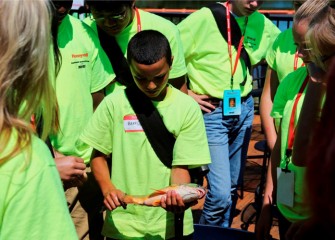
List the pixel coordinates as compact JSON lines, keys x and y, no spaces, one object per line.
{"x":295,"y":77}
{"x":80,"y":26}
{"x":184,"y":98}
{"x":156,"y":20}
{"x":34,"y":158}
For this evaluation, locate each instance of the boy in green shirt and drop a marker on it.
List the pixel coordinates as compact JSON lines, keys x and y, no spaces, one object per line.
{"x":135,"y":167}
{"x":217,"y":74}
{"x":121,"y":20}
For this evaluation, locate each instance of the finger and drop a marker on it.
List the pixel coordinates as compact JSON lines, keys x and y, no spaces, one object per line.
{"x":79,"y":160}
{"x":110,"y":201}
{"x":163,"y":202}
{"x":174,"y":198}
{"x":77,"y":172}
{"x":108,"y":206}
{"x":204,"y":109}
{"x":80,"y":166}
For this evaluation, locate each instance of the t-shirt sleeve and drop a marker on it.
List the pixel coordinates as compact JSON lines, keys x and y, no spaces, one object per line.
{"x":187,"y":38}
{"x":191,"y":146}
{"x":178,"y":66}
{"x":102,"y":70}
{"x":271,"y":54}
{"x":98,"y":133}
{"x":280,"y":99}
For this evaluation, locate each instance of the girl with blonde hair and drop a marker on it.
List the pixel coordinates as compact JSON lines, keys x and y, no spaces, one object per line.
{"x":32,"y":203}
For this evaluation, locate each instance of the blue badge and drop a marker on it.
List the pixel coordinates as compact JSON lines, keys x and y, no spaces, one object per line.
{"x":231,"y":102}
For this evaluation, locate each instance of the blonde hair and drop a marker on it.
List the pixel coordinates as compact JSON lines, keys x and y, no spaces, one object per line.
{"x":321,"y":35}
{"x":309,"y":9}
{"x":25,"y":87}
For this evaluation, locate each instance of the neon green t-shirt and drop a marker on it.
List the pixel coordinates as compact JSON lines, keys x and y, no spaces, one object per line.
{"x":32,"y":200}
{"x":281,"y":56}
{"x":206,"y":51}
{"x":282,"y":108}
{"x":154,"y":22}
{"x":136,"y":169}
{"x":85,"y":69}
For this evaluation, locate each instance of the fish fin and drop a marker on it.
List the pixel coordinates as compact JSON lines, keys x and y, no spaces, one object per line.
{"x":156,"y":203}
{"x":157,"y":192}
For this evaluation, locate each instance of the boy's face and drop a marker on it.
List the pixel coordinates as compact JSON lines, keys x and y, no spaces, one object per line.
{"x":245,"y":7}
{"x":62,"y":8}
{"x":113,"y":21}
{"x":151,"y":79}
{"x":299,"y":31}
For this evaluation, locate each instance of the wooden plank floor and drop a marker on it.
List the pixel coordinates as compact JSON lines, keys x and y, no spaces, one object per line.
{"x":252,"y":176}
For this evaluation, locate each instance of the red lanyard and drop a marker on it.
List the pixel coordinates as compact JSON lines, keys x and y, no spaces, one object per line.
{"x":296,"y":58}
{"x":138,"y":18}
{"x":291,"y":130}
{"x":240,"y":45}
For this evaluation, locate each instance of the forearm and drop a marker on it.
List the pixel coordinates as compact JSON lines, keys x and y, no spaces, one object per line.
{"x":271,"y":178}
{"x":180,"y":175}
{"x":97,"y":98}
{"x":101,"y":171}
{"x":269,"y":91}
{"x":179,"y":83}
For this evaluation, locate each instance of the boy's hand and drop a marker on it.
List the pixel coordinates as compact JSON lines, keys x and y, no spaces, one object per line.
{"x":113,"y":199}
{"x":173,"y":202}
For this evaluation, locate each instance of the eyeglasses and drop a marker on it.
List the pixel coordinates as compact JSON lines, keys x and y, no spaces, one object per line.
{"x":99,"y":19}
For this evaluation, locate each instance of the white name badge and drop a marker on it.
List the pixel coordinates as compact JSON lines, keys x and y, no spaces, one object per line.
{"x":285,"y":187}
{"x":231,"y":102}
{"x":131,"y":124}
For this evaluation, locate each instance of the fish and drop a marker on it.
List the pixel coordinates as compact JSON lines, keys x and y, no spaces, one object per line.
{"x":188,"y":192}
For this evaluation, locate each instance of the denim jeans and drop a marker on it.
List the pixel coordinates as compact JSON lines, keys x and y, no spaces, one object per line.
{"x":228,"y":139}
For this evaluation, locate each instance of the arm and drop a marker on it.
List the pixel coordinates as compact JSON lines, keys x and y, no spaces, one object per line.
{"x":309,"y":115}
{"x":200,"y":99}
{"x":71,"y":169}
{"x":179,"y":83}
{"x":173,"y":201}
{"x":269,"y":91}
{"x":97,"y":98}
{"x":264,"y":222}
{"x":113,"y":197}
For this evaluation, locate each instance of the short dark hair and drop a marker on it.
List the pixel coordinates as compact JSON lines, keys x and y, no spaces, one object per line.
{"x":148,"y":47}
{"x":106,"y":5}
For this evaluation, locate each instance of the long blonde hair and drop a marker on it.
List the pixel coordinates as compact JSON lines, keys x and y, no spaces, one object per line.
{"x":321,"y":35}
{"x":25,"y":87}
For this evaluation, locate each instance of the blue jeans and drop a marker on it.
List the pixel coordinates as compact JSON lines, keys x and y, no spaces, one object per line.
{"x":228,"y":139}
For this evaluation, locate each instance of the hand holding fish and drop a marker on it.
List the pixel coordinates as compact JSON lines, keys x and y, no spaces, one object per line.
{"x":175,"y":198}
{"x":173,"y":202}
{"x":114,"y":198}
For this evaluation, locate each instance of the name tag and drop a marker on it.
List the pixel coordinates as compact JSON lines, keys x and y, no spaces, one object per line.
{"x":131,"y":124}
{"x":285,"y":187}
{"x":232,"y":102}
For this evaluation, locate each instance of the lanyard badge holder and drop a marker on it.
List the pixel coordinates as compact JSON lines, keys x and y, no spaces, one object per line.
{"x":232,"y":97}
{"x":285,"y":177}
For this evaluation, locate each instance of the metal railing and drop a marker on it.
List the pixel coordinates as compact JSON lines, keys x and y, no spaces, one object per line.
{"x":282,"y":18}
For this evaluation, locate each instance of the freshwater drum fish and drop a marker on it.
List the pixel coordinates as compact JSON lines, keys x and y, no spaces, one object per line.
{"x":188,"y":192}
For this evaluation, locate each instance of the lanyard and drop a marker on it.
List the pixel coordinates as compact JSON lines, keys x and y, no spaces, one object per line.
{"x":296,"y":58}
{"x":138,"y":18}
{"x":240,"y":45}
{"x":291,"y":130}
